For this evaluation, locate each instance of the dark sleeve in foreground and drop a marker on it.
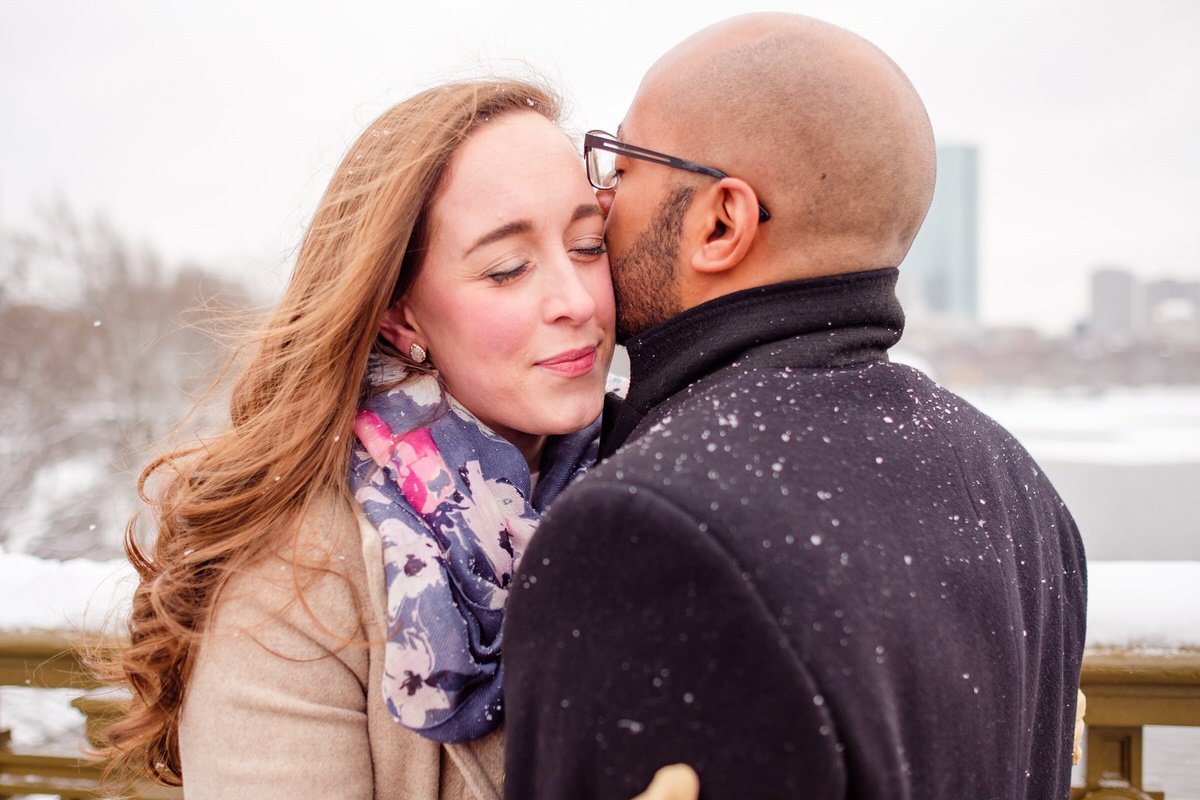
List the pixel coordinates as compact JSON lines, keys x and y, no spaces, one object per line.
{"x":632,"y":641}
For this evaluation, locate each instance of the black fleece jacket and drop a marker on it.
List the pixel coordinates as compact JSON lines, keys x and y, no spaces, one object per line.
{"x":809,"y":572}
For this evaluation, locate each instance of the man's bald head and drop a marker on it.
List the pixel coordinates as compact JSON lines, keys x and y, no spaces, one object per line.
{"x":820,"y":122}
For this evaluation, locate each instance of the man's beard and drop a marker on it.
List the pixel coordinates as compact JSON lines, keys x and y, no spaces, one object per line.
{"x":644,"y":275}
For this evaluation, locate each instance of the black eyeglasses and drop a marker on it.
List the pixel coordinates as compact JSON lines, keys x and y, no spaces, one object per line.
{"x":600,"y":151}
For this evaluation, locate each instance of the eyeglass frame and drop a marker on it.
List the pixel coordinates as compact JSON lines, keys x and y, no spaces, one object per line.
{"x":602,"y":140}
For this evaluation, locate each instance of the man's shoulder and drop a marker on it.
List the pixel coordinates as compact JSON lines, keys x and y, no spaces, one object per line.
{"x":752,"y":440}
{"x":743,"y":403}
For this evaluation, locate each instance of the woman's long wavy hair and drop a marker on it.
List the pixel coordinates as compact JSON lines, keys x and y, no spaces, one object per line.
{"x":221,"y":503}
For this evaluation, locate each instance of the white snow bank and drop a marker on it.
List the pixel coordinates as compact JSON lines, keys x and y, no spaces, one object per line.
{"x":1143,"y":604}
{"x":74,"y":595}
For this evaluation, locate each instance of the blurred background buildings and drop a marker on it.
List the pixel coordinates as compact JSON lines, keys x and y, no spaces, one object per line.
{"x":1136,"y":332}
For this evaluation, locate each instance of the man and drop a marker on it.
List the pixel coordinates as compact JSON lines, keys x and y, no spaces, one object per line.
{"x":808,"y":572}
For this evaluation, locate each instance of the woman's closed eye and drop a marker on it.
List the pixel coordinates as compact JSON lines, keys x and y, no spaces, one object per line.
{"x":508,"y":272}
{"x":591,"y":247}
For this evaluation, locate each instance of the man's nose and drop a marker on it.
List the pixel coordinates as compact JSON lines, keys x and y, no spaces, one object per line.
{"x":605,"y":198}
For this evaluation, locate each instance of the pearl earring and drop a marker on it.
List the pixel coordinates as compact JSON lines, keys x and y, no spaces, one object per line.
{"x":416,"y":353}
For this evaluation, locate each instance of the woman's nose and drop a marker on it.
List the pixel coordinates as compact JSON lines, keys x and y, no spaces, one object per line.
{"x":570,"y":296}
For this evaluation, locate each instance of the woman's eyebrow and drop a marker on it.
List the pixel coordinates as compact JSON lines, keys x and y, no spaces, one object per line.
{"x":582,"y":211}
{"x":503,"y":232}
{"x":585,"y":210}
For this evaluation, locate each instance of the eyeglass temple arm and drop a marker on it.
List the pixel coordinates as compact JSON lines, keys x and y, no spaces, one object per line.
{"x":623,"y":148}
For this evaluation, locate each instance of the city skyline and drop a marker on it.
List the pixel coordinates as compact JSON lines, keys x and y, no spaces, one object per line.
{"x":208,"y":133}
{"x":1125,"y":307}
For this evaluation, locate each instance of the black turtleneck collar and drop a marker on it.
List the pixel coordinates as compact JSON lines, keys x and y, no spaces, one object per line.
{"x":819,"y":322}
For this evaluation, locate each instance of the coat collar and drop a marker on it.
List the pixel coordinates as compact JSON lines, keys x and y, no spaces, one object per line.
{"x":819,"y":322}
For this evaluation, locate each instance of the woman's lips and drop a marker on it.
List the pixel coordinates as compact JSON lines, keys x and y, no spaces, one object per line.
{"x":570,"y":364}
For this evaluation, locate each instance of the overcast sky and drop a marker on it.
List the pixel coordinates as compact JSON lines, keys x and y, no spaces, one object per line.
{"x":208,"y":130}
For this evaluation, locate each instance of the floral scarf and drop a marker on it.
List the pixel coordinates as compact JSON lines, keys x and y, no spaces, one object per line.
{"x":452,"y":502}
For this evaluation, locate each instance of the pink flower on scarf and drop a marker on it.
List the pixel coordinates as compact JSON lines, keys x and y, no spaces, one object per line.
{"x":421,"y":473}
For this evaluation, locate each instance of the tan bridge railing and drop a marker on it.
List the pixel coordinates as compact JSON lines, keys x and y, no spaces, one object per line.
{"x":1125,"y":691}
{"x":51,"y":660}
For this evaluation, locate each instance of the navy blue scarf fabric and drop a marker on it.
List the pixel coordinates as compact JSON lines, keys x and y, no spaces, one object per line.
{"x":452,"y":502}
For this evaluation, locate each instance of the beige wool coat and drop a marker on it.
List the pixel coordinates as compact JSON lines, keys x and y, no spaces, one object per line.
{"x":286,"y":701}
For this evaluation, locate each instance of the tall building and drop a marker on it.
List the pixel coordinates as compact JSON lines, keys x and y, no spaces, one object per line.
{"x":939,"y":278}
{"x":1116,"y":303}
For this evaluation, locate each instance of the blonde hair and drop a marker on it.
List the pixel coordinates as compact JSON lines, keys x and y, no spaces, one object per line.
{"x":227,"y":501}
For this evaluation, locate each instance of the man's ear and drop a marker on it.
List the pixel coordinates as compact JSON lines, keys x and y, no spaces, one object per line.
{"x":400,"y":327}
{"x":731,"y":223}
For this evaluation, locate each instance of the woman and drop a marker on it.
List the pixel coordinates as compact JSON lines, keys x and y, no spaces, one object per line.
{"x":430,"y":379}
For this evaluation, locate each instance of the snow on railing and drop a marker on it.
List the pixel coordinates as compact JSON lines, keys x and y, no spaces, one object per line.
{"x":1145,"y":605}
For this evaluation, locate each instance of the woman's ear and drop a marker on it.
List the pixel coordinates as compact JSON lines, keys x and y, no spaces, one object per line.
{"x":400,"y":328}
{"x":731,"y":224}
